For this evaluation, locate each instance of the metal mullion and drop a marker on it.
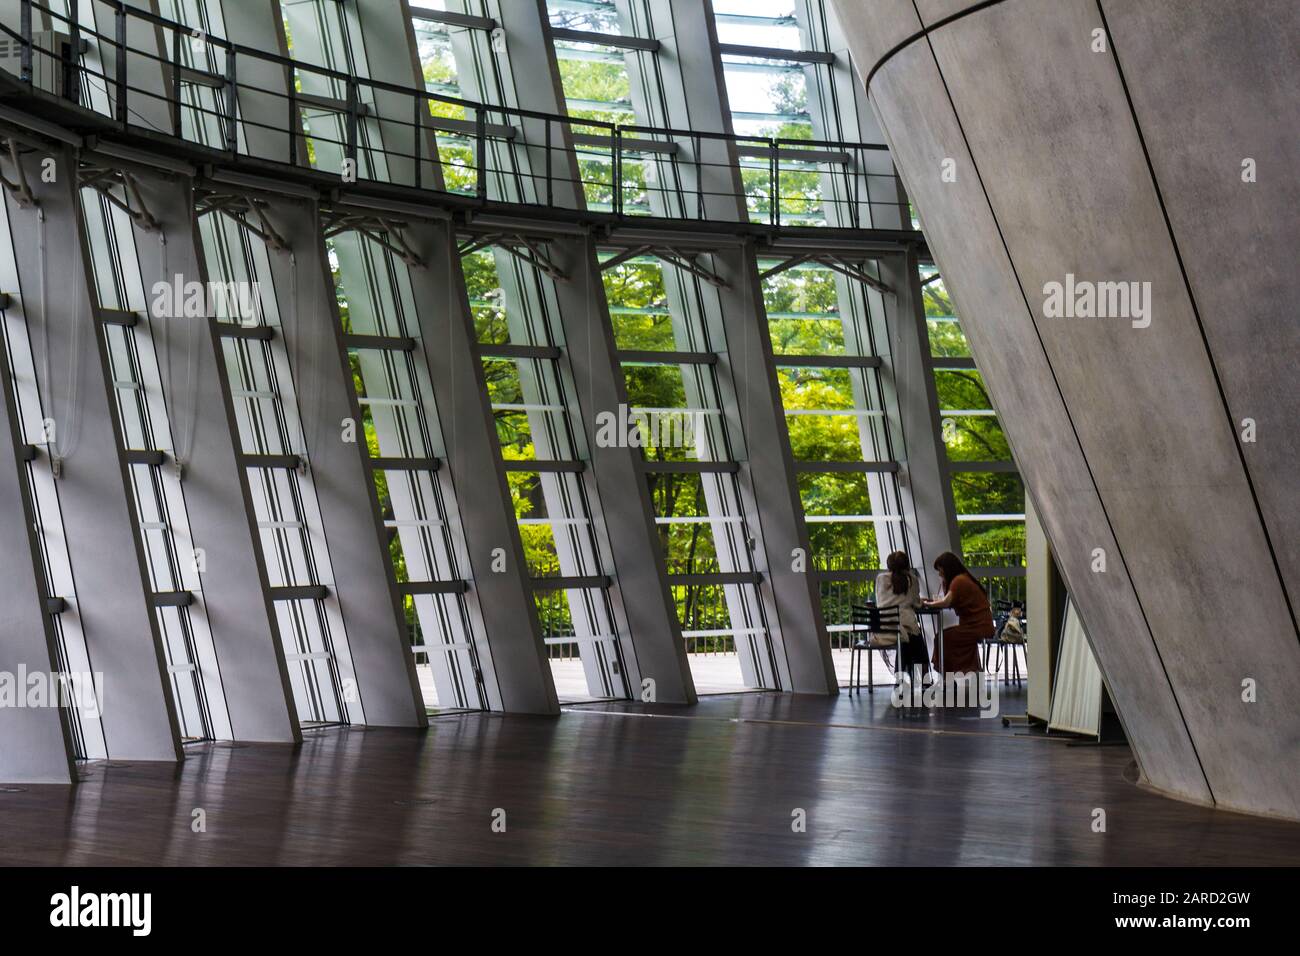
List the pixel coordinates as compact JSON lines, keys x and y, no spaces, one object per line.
{"x":275,"y":512}
{"x":253,"y":408}
{"x":283,"y":431}
{"x":736,"y":537}
{"x":304,"y":532}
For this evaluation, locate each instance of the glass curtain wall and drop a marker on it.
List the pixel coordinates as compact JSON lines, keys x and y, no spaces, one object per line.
{"x":987,"y":489}
{"x":529,"y":380}
{"x":679,"y":410}
{"x":376,"y":306}
{"x":768,"y":98}
{"x":829,"y":362}
{"x":155,"y":418}
{"x":271,"y":432}
{"x":41,"y":414}
{"x":826,"y":323}
{"x":531,"y":393}
{"x":678,"y":401}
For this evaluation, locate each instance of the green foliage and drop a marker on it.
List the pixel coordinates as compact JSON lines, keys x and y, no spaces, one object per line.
{"x":803,"y":320}
{"x":946,"y":337}
{"x":969,"y":437}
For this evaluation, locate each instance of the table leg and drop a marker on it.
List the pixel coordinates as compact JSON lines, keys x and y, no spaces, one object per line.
{"x":938,"y":623}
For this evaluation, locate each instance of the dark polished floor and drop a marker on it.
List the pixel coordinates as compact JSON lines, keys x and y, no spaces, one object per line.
{"x":618,"y":784}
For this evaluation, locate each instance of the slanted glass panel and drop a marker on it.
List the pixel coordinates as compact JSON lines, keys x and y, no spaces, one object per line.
{"x":642,"y":327}
{"x":768,"y":98}
{"x":486,"y":300}
{"x":803,"y":316}
{"x":595,"y":81}
{"x":288,"y":518}
{"x":142,"y":380}
{"x":594,"y":77}
{"x":769,"y":23}
{"x":597,"y":16}
{"x":679,"y":413}
{"x":698,"y":538}
{"x":438,"y":66}
{"x":836,"y":415}
{"x":990,"y":509}
{"x":837,"y":509}
{"x":529,"y":415}
{"x":664,"y":423}
{"x":703,"y":608}
{"x":374,"y":296}
{"x":970,"y":428}
{"x":546,"y":525}
{"x":823,"y":418}
{"x":947,"y":340}
{"x":536,"y":420}
{"x":638,"y":305}
{"x":993,"y":543}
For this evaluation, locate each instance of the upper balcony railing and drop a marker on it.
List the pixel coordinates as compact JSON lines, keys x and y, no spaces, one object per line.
{"x":154,"y":76}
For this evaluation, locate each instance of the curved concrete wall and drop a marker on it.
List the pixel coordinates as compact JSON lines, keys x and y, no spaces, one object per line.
{"x":1106,"y":141}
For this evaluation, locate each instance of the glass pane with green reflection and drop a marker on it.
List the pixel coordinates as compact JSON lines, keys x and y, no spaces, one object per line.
{"x":538,"y":539}
{"x":803,"y":311}
{"x":974,"y":438}
{"x":486,"y":298}
{"x":987,"y":493}
{"x":969,"y":437}
{"x":638,"y":307}
{"x":703,"y":607}
{"x":839,"y":544}
{"x":816,"y":387}
{"x":946,"y":336}
{"x":825,"y":437}
{"x":654,"y":393}
{"x":993,"y":543}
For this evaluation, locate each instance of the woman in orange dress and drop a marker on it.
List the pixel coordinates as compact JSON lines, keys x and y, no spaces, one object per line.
{"x":965,"y":595}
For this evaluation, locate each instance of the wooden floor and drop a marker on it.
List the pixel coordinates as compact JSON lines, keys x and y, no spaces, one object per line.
{"x":625,"y":784}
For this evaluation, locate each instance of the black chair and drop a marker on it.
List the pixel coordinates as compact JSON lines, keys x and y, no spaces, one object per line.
{"x":875,"y":622}
{"x":1001,"y":646}
{"x":1001,"y":611}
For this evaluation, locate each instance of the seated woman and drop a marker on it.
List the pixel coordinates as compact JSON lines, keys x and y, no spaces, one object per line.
{"x":965,"y":595}
{"x":898,"y":587}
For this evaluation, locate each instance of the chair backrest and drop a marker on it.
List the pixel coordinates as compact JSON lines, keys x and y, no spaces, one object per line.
{"x":869,"y":617}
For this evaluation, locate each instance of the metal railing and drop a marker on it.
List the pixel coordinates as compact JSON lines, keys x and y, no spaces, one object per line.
{"x":839,"y":596}
{"x":195,"y":87}
{"x":706,"y":619}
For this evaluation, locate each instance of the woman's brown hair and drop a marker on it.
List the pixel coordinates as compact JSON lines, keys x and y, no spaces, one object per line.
{"x":950,"y":569}
{"x":900,"y":572}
